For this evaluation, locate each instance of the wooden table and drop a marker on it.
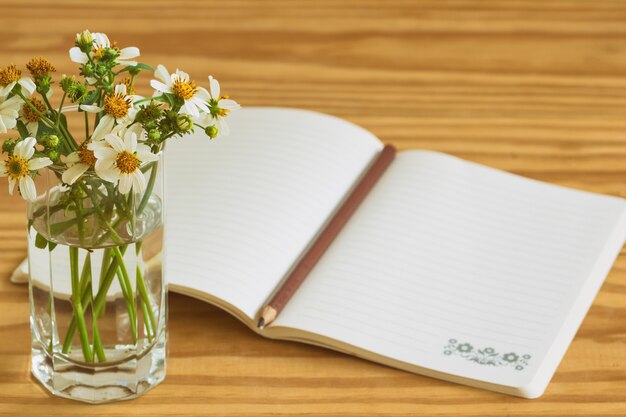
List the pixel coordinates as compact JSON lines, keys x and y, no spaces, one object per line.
{"x":533,"y":87}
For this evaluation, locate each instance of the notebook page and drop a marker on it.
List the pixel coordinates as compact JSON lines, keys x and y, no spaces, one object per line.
{"x":459,"y":268}
{"x":240,"y":209}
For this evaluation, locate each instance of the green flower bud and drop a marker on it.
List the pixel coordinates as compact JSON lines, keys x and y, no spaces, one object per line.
{"x":101,"y":69}
{"x":8,"y":146}
{"x":171,"y":115}
{"x":147,"y":115}
{"x":66,"y":82}
{"x":52,"y":141}
{"x":110,"y":54}
{"x":84,"y":41}
{"x":77,"y":92}
{"x":154,"y":135}
{"x":184,"y":123}
{"x":43,"y":84}
{"x":211,"y":131}
{"x":88,"y":70}
{"x":54,"y":155}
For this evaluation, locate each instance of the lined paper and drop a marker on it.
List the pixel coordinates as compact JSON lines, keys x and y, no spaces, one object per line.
{"x":241,"y":209}
{"x":445,"y":253}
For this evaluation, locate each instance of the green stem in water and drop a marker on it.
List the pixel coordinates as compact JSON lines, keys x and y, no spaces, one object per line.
{"x":127,"y":291}
{"x":145,"y":302}
{"x":98,"y":304}
{"x":77,"y":306}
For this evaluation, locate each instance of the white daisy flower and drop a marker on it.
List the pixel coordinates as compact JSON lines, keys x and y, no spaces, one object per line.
{"x":180,"y":85}
{"x":100,"y":44}
{"x":78,"y":162}
{"x":120,"y":160}
{"x":20,"y":165}
{"x":10,"y":76}
{"x":118,"y":108}
{"x":219,"y":108}
{"x":9,"y":112}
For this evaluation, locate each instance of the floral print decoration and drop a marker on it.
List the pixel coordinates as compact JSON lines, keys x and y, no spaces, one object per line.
{"x":486,"y":356}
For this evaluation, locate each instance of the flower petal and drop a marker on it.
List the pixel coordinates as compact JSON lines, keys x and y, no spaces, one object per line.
{"x":90,"y":108}
{"x":145,"y":154}
{"x":202,"y":105}
{"x":159,"y":86}
{"x":126,"y":183}
{"x":32,"y":128}
{"x":162,"y":74}
{"x":127,"y":63}
{"x":76,"y":55}
{"x":109,"y":174}
{"x":128,"y":53}
{"x":115,"y":142}
{"x":26,"y":148}
{"x":229,"y":104}
{"x":139,"y":181}
{"x":27,"y":188}
{"x":203,"y":94}
{"x":73,"y":173}
{"x":72,"y":158}
{"x":104,"y":152}
{"x":130,"y":142}
{"x":12,"y":182}
{"x":214,"y":87}
{"x":120,"y":89}
{"x":7,"y":123}
{"x":38,"y":163}
{"x":104,"y":127}
{"x":189,"y":108}
{"x":28,"y":85}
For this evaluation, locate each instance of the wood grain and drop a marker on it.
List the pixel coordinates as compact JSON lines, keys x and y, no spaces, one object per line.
{"x":533,"y":87}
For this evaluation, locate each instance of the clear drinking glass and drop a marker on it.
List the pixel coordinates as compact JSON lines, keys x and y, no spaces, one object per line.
{"x":98,"y":298}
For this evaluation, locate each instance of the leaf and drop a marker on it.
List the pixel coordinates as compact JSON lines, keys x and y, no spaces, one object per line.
{"x":144,"y":67}
{"x":21,"y":128}
{"x":45,"y":130}
{"x":51,"y":246}
{"x":40,"y":241}
{"x":140,"y":66}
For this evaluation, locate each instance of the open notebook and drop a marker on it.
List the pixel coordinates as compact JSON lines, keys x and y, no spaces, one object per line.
{"x":448,"y":268}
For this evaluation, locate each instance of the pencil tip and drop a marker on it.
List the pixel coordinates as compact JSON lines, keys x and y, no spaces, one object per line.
{"x":261,"y":323}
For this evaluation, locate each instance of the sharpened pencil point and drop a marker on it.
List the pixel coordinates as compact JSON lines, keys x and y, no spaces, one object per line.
{"x":261,"y":323}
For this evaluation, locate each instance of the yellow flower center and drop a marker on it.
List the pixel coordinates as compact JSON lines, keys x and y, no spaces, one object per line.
{"x":184,"y":89}
{"x":86,"y":156}
{"x":17,"y":167}
{"x":9,"y":75}
{"x":98,"y":52}
{"x":39,"y":67}
{"x":117,"y":105}
{"x":127,"y":162}
{"x":29,"y":114}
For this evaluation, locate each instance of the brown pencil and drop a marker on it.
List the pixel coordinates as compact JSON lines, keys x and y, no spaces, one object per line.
{"x":326,"y":237}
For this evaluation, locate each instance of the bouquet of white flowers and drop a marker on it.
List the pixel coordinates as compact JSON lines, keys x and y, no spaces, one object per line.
{"x":101,"y":194}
